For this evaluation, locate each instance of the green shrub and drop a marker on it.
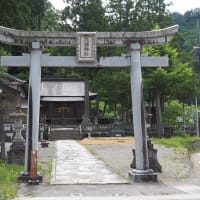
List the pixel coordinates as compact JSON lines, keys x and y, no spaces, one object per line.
{"x":8,"y":177}
{"x":181,"y":133}
{"x":174,"y":109}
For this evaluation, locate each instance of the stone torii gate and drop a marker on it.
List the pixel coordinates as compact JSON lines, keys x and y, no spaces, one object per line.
{"x":86,"y":43}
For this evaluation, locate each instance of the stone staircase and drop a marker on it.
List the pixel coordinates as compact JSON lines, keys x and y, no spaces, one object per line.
{"x":64,"y":133}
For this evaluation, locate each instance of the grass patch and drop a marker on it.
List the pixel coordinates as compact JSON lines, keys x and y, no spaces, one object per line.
{"x":8,"y":179}
{"x":179,"y":143}
{"x":46,"y":168}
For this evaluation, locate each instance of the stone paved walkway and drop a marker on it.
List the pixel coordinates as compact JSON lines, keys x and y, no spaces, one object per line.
{"x":73,"y":164}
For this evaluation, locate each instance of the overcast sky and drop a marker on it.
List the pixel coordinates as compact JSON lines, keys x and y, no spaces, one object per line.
{"x":180,"y":6}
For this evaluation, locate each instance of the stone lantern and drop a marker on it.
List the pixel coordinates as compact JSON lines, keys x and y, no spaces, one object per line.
{"x":18,"y":117}
{"x":17,"y":149}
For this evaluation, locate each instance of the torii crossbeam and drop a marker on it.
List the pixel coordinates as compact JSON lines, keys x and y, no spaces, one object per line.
{"x":86,"y":43}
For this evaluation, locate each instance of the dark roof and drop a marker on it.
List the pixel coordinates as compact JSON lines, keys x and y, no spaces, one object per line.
{"x":12,"y":78}
{"x":9,"y":89}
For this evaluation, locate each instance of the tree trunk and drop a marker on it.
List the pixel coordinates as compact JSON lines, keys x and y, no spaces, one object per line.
{"x":183,"y":116}
{"x":160,"y":129}
{"x":104,"y":108}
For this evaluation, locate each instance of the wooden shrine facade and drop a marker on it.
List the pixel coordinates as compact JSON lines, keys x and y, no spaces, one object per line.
{"x":63,"y":101}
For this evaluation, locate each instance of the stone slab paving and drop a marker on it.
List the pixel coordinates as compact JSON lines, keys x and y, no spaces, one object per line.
{"x":73,"y":164}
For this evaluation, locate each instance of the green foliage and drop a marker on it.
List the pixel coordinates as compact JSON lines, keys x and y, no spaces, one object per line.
{"x":174,"y":109}
{"x":49,"y":19}
{"x":175,"y":82}
{"x":137,"y":15}
{"x":181,"y":133}
{"x":183,"y":79}
{"x":3,"y":70}
{"x":120,"y":14}
{"x":149,"y":13}
{"x":178,"y":142}
{"x":84,"y":15}
{"x":157,"y":80}
{"x":14,"y":13}
{"x":113,"y":86}
{"x":26,"y":15}
{"x":8,"y":176}
{"x":188,"y":27}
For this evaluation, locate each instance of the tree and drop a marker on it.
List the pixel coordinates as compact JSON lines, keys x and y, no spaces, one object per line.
{"x":26,"y":15}
{"x":175,"y":82}
{"x":84,"y":15}
{"x":15,"y":14}
{"x":113,"y":86}
{"x":148,"y":13}
{"x":43,"y":16}
{"x":120,"y":14}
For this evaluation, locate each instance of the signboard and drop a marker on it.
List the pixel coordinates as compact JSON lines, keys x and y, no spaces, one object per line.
{"x":86,"y":48}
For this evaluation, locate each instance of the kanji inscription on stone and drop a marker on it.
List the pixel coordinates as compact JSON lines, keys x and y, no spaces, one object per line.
{"x":86,"y":49}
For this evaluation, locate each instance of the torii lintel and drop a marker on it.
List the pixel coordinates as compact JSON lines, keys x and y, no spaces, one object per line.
{"x":53,"y":38}
{"x":71,"y":61}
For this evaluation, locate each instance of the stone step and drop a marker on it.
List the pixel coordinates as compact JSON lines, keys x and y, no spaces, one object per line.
{"x":64,"y":135}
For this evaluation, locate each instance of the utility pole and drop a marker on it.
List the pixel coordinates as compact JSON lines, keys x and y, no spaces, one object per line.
{"x":197,"y":49}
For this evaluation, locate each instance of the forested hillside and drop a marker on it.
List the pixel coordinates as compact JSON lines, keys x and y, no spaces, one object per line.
{"x":179,"y":81}
{"x":190,"y":31}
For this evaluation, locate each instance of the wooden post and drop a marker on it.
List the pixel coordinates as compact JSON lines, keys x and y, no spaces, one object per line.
{"x":86,"y":117}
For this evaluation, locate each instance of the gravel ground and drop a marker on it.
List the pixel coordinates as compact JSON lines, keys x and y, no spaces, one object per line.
{"x":119,"y":156}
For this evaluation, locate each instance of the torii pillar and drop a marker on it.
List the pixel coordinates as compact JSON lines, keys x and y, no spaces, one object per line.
{"x":32,"y":133}
{"x":142,"y":171}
